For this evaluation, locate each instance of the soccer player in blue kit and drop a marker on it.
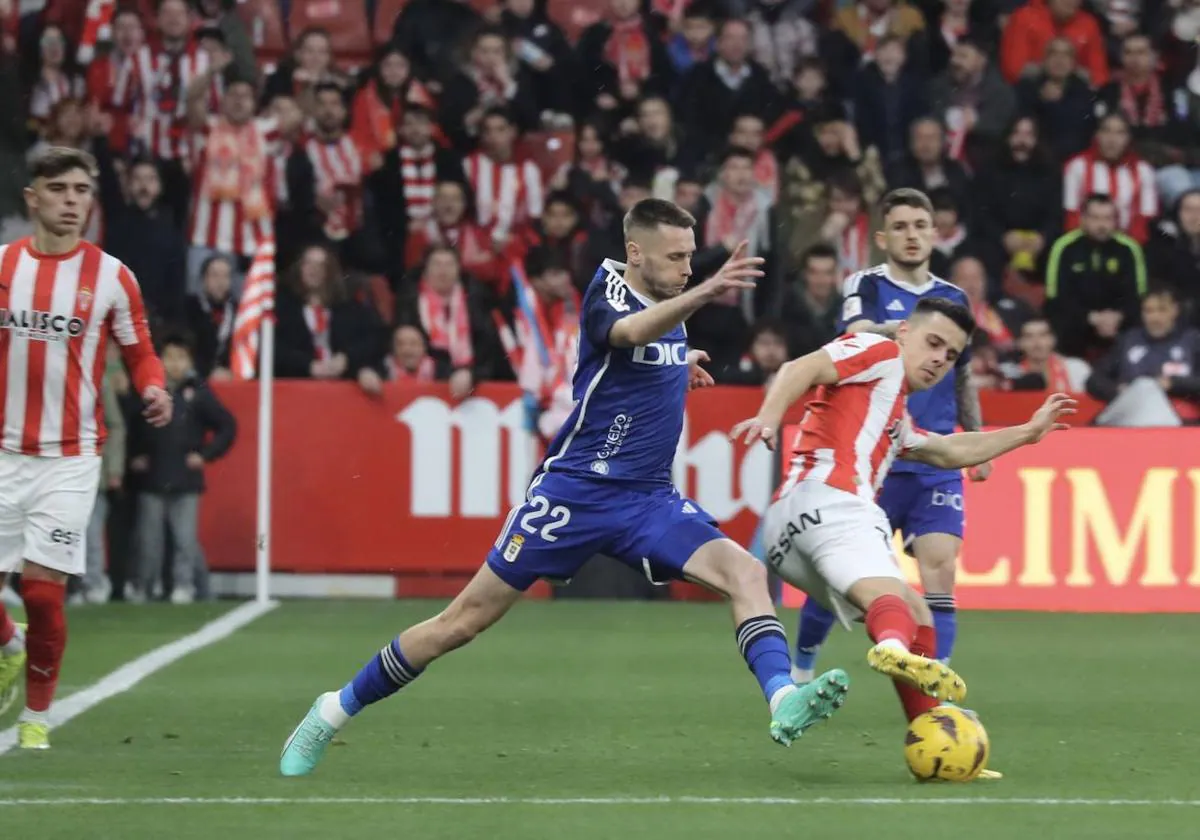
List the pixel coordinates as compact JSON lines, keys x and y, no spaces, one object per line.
{"x":605,"y":487}
{"x":924,"y":503}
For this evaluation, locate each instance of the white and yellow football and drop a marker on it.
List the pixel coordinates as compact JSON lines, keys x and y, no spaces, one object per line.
{"x":946,"y":743}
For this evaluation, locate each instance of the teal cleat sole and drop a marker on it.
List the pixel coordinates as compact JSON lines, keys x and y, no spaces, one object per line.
{"x":808,"y":705}
{"x":305,"y":747}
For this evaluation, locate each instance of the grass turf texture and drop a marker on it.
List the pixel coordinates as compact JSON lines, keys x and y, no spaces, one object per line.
{"x":604,"y":700}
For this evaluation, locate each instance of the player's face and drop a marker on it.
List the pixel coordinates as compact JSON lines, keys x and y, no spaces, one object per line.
{"x":664,"y":256}
{"x":932,"y":344}
{"x":61,"y":204}
{"x":907,"y":236}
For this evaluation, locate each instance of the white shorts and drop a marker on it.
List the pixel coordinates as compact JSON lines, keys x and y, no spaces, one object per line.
{"x":45,"y":505}
{"x":823,"y":540}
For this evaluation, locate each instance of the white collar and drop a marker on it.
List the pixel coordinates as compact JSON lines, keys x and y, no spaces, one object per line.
{"x":617,"y":269}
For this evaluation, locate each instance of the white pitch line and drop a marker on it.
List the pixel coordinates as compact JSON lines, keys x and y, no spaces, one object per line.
{"x":601,"y":801}
{"x":134,"y":671}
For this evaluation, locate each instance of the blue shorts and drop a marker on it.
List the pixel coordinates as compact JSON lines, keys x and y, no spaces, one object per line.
{"x":566,"y":521}
{"x":917,"y":504}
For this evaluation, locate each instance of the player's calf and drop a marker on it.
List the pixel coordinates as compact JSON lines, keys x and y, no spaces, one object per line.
{"x":44,"y":593}
{"x":937,"y":561}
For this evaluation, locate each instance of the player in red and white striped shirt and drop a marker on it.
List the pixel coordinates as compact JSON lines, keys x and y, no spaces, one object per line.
{"x":61,"y":300}
{"x":824,"y":531}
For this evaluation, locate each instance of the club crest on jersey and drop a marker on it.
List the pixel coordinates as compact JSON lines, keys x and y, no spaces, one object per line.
{"x":515,"y":543}
{"x":83,"y":300}
{"x":41,"y":325}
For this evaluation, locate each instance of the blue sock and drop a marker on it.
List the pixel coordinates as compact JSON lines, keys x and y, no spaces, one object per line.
{"x":765,"y":649}
{"x":945,"y":623}
{"x":382,"y":677}
{"x":815,"y":624}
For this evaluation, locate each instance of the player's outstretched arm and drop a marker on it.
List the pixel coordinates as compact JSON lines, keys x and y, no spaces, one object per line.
{"x":792,"y":381}
{"x":966,"y":449}
{"x":653,"y":322}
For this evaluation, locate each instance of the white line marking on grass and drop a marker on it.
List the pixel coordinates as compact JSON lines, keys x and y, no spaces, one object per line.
{"x":133,"y":672}
{"x":602,"y":801}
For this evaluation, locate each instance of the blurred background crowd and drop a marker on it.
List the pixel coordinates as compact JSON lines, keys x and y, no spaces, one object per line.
{"x":441,"y":178}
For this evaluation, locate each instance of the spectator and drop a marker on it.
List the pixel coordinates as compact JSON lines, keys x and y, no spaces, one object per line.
{"x":1150,"y":377}
{"x":429,"y":32}
{"x":1174,"y":253}
{"x":560,"y":233}
{"x":765,"y":355}
{"x":928,"y":164}
{"x":748,"y":133}
{"x":507,"y":189}
{"x":593,"y":178}
{"x":953,"y":239}
{"x":1038,"y":22}
{"x":1060,"y":100}
{"x":1112,"y":168}
{"x":409,"y":360}
{"x":622,"y":58}
{"x":848,"y":227}
{"x":888,"y":96}
{"x":389,"y":91}
{"x":726,"y":85}
{"x":492,"y":81}
{"x":1094,"y":279}
{"x":222,"y":16}
{"x":97,"y":586}
{"x":694,"y":42}
{"x":452,"y":226}
{"x":168,"y":465}
{"x":56,"y":76}
{"x":654,"y":147}
{"x":450,"y":310}
{"x":958,"y":20}
{"x":859,"y":27}
{"x":544,"y":51}
{"x":781,"y":36}
{"x":1038,"y":367}
{"x":309,"y":66}
{"x":209,"y":316}
{"x":321,"y":331}
{"x":112,"y":78}
{"x":971,"y":98}
{"x":1018,"y":199}
{"x":812,"y":306}
{"x":999,"y":321}
{"x":337,"y":176}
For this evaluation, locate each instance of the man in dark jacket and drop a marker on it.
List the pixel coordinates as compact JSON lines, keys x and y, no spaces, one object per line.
{"x":167,"y":466}
{"x":1095,"y":278}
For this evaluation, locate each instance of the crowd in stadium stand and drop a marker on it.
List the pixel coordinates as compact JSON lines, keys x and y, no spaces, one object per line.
{"x":441,"y":178}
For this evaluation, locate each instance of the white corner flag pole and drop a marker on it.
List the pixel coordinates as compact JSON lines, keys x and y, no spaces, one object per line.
{"x":266,"y":382}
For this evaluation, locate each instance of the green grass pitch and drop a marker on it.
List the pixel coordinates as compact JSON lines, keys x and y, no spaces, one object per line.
{"x":618,"y":702}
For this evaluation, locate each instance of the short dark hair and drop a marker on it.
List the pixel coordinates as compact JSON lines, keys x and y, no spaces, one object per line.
{"x":956,"y":312}
{"x":732,"y":152}
{"x":1036,"y":318}
{"x":176,"y":338}
{"x":1160,"y":288}
{"x":562,"y":197}
{"x":541,"y":259}
{"x":500,"y":112}
{"x":771,"y":326}
{"x":649,"y":213}
{"x":904,"y":197}
{"x":820,"y":251}
{"x":328,"y":87}
{"x":1097,"y":198}
{"x":942,"y":198}
{"x":59,"y":160}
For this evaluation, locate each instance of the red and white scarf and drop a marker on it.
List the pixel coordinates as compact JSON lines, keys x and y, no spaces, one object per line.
{"x":317,"y":318}
{"x":628,"y":49}
{"x":1151,"y":114}
{"x":447,"y":323}
{"x":418,"y":174}
{"x":338,"y":167}
{"x":493,"y":93}
{"x":854,"y":246}
{"x":731,"y":219}
{"x":1057,"y":377}
{"x":558,"y":323}
{"x":426,"y":370}
{"x":992,"y":325}
{"x":97,"y":27}
{"x":766,"y":172}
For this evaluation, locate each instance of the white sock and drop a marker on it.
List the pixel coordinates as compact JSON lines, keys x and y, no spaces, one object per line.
{"x":802,"y":675}
{"x":14,"y":645}
{"x":30,"y":716}
{"x":778,"y":696}
{"x":894,"y":644}
{"x":331,"y":710}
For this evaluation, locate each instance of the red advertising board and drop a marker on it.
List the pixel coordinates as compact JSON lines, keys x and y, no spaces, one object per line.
{"x":412,"y":484}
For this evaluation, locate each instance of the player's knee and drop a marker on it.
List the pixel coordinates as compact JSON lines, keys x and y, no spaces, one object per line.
{"x":746,"y":576}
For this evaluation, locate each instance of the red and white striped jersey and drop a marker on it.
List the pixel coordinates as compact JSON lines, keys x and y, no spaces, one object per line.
{"x":164,"y":101}
{"x":46,"y":93}
{"x":235,"y":222}
{"x":507,"y":195}
{"x":1130,"y":183}
{"x":338,"y":168}
{"x":853,"y":431}
{"x":56,"y":315}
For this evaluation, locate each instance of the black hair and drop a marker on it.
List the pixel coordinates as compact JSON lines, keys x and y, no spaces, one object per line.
{"x":956,"y":312}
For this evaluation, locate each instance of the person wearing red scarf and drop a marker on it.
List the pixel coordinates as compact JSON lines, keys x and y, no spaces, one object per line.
{"x":410,"y":360}
{"x":1039,"y":368}
{"x":623,"y":57}
{"x":380,"y":104}
{"x":450,"y":225}
{"x":1111,"y":167}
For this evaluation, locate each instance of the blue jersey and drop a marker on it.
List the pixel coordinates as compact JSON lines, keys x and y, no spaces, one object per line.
{"x":629,"y":401}
{"x":873,"y":295}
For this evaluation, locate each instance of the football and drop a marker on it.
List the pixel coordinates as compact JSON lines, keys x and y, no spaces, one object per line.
{"x":947,"y":743}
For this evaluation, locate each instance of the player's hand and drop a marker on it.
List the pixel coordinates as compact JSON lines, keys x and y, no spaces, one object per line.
{"x":753,"y":430}
{"x":739,"y":272}
{"x":980,"y":472}
{"x":1048,"y":418}
{"x":698,"y":377}
{"x":157,"y":409}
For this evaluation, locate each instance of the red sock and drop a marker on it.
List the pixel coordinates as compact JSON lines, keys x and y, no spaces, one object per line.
{"x":889,"y":617}
{"x":914,"y":702}
{"x":45,"y":640}
{"x":7,"y":628}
